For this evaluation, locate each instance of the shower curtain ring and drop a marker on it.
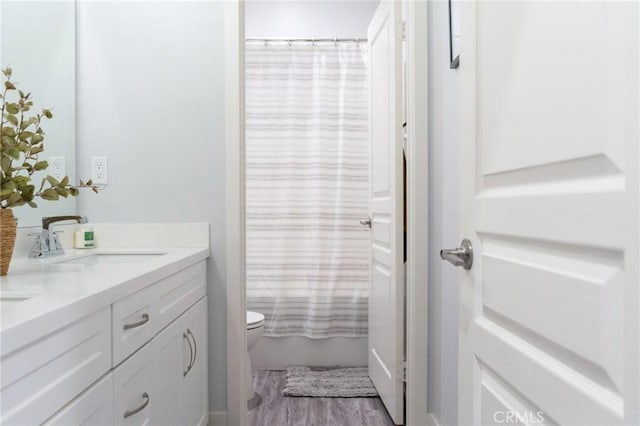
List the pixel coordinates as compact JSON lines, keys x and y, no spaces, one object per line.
{"x":335,"y":42}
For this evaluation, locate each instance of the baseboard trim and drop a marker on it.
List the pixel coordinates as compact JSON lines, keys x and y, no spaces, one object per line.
{"x":217,"y":418}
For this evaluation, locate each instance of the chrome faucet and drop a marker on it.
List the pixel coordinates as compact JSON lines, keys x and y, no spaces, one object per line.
{"x":47,"y":243}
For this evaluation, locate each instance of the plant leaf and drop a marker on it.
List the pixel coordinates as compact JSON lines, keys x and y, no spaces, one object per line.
{"x":5,"y":163}
{"x":41,"y":165}
{"x":53,"y":181}
{"x":28,"y":122}
{"x":14,"y":198}
{"x":8,"y":131}
{"x":13,"y":153}
{"x":25,"y":135}
{"x":7,"y":188}
{"x":12,"y":108}
{"x":50,"y":194}
{"x":62,"y":192}
{"x":11,"y":119}
{"x":8,"y":141}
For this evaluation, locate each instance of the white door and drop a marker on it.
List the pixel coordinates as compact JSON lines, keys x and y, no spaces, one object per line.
{"x":386,"y":289}
{"x":549,"y":169}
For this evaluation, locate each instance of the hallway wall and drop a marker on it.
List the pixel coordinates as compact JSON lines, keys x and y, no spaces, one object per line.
{"x":308,"y":19}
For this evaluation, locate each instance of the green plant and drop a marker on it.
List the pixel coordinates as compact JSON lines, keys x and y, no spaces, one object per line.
{"x":22,"y":141}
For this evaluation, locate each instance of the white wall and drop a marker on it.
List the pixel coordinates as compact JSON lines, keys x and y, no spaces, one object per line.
{"x":150,"y":97}
{"x":443,"y":220}
{"x":308,"y":19}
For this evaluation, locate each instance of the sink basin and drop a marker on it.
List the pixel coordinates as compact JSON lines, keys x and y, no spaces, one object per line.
{"x":112,"y":258}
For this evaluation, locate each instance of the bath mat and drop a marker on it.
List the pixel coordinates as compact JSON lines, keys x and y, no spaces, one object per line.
{"x":349,"y":382}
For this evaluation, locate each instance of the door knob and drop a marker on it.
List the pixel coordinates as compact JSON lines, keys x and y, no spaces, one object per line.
{"x":366,"y":222}
{"x":461,"y":256}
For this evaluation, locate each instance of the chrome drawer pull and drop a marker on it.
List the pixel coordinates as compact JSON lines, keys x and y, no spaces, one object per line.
{"x":195,"y":348}
{"x":143,"y":321}
{"x":140,"y":408}
{"x":185,"y":337}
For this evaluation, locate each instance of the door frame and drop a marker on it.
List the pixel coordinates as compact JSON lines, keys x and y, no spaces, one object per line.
{"x":415,"y":15}
{"x":417,"y":153}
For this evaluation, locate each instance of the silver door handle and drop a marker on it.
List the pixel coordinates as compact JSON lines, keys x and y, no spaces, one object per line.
{"x":461,"y":256}
{"x":366,"y":222}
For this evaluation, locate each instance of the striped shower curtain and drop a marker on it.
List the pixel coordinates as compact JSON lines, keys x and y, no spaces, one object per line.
{"x":307,"y":187}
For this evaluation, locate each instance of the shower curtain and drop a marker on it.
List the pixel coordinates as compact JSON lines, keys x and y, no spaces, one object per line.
{"x":307,"y":187}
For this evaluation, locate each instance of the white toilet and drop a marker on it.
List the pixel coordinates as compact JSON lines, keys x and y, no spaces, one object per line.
{"x":255,"y":327}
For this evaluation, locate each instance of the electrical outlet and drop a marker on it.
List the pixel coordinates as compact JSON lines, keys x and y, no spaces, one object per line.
{"x":99,"y":174}
{"x":58,"y":167}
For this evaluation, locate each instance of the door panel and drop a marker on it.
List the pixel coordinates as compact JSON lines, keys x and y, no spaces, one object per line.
{"x":549,"y":311}
{"x":170,"y":360}
{"x":386,"y":294}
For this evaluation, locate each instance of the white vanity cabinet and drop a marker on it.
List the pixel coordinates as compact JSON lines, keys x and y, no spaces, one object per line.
{"x":165,"y":381}
{"x":180,"y":370}
{"x":139,"y":360}
{"x":93,"y":407}
{"x":41,"y":377}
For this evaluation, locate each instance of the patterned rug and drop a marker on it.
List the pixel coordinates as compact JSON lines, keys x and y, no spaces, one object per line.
{"x":349,"y":382}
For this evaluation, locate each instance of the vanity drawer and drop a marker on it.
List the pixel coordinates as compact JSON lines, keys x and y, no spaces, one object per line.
{"x":45,"y":375}
{"x":134,"y":322}
{"x":139,"y":317}
{"x":94,"y":407}
{"x":180,"y":291}
{"x":134,"y":394}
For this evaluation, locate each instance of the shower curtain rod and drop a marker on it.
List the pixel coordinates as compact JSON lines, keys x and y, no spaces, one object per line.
{"x":308,"y":40}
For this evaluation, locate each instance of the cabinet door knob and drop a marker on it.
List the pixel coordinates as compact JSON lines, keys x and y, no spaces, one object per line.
{"x":140,"y":408}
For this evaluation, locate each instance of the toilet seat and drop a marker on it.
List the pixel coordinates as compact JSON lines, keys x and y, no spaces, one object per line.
{"x":254,"y":320}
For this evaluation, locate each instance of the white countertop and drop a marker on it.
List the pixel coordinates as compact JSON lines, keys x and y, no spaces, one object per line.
{"x":61,"y":293}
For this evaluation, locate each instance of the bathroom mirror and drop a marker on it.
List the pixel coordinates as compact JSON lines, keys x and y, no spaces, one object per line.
{"x":37,"y":39}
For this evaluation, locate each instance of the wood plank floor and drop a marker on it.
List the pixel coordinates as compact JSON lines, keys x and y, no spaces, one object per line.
{"x":278,"y":410}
